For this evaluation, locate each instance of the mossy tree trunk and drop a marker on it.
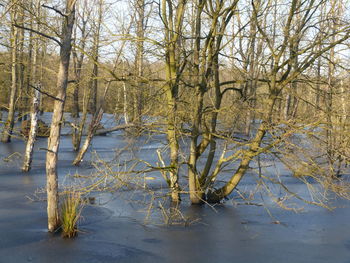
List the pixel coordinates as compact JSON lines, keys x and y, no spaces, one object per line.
{"x":173,"y":22}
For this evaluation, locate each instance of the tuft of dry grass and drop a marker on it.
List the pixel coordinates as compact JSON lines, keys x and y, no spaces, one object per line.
{"x":71,"y":209}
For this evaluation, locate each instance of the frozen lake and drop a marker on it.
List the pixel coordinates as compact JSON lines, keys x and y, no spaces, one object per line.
{"x":114,"y":229}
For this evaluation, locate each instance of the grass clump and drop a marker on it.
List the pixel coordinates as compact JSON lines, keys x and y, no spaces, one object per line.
{"x":71,"y":209}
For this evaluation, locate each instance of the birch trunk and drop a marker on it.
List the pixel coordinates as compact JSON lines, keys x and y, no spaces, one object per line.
{"x":33,"y":71}
{"x":32,"y":134}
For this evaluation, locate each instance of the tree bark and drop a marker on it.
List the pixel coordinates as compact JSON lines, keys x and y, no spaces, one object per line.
{"x":28,"y":157}
{"x":33,"y":71}
{"x":55,"y":131}
{"x":173,"y":26}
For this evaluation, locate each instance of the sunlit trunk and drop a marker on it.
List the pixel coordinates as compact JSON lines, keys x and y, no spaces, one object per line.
{"x":94,"y":125}
{"x":28,"y":157}
{"x":248,"y":155}
{"x":57,"y":115}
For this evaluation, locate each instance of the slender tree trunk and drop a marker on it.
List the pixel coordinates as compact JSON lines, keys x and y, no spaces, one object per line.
{"x":205,"y":182}
{"x":42,"y":61}
{"x":196,"y":195}
{"x":78,"y":131}
{"x":96,"y":119}
{"x":125,"y":104}
{"x":172,"y":32}
{"x":78,"y":64}
{"x":95,"y":123}
{"x":331,"y":135}
{"x":171,"y":94}
{"x":140,"y":10}
{"x":96,"y":46}
{"x":28,"y":157}
{"x":33,"y":69}
{"x":8,"y":129}
{"x":252,"y":65}
{"x":174,"y":150}
{"x":21,"y":67}
{"x":287,"y":106}
{"x":55,"y":131}
{"x":78,"y":125}
{"x":29,"y":69}
{"x":75,"y":107}
{"x":94,"y":85}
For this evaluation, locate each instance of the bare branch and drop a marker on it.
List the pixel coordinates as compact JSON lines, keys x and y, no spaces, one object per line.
{"x":39,"y":33}
{"x":45,"y":93}
{"x":54,"y":9}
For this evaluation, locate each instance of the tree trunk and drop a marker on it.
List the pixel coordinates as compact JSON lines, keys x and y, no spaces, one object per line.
{"x":253,"y":150}
{"x":78,"y":125}
{"x":125,"y":104}
{"x":78,"y":60}
{"x":140,"y":10}
{"x":92,"y":129}
{"x":55,"y":131}
{"x":8,"y":129}
{"x":171,"y":94}
{"x":95,"y":122}
{"x":33,"y":71}
{"x":79,"y":129}
{"x":22,"y":93}
{"x":95,"y":50}
{"x":196,"y":193}
{"x":32,"y":133}
{"x":172,"y":33}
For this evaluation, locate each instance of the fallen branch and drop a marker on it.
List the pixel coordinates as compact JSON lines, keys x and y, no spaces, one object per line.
{"x":115,"y":128}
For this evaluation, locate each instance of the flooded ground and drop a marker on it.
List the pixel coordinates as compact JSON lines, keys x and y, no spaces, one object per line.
{"x":114,"y":228}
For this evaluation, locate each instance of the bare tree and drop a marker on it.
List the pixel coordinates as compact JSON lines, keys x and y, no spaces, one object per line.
{"x":284,"y":72}
{"x":54,"y":138}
